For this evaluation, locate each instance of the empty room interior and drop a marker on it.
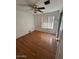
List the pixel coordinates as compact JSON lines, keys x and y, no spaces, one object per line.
{"x":39,"y":29}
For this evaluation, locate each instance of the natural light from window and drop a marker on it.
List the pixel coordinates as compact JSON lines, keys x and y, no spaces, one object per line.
{"x":48,"y":23}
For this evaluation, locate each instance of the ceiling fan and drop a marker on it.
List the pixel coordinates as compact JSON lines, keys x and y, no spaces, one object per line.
{"x":34,"y":7}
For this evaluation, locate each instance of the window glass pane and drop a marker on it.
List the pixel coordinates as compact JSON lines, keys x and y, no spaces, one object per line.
{"x":48,"y":22}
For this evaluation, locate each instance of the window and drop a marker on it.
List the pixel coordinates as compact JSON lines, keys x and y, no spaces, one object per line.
{"x":48,"y":22}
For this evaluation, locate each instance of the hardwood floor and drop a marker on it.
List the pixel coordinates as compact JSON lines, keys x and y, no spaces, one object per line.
{"x":36,"y":45}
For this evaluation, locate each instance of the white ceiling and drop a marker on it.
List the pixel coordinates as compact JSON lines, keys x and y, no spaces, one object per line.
{"x":53,"y":6}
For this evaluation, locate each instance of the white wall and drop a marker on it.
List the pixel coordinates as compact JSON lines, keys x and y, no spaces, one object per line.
{"x":38,"y":22}
{"x":24,"y":23}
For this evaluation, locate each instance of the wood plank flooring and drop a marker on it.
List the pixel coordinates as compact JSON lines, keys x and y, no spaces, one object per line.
{"x":36,"y":45}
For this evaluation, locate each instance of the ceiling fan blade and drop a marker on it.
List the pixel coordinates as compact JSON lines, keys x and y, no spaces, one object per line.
{"x":41,"y":8}
{"x":40,"y":11}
